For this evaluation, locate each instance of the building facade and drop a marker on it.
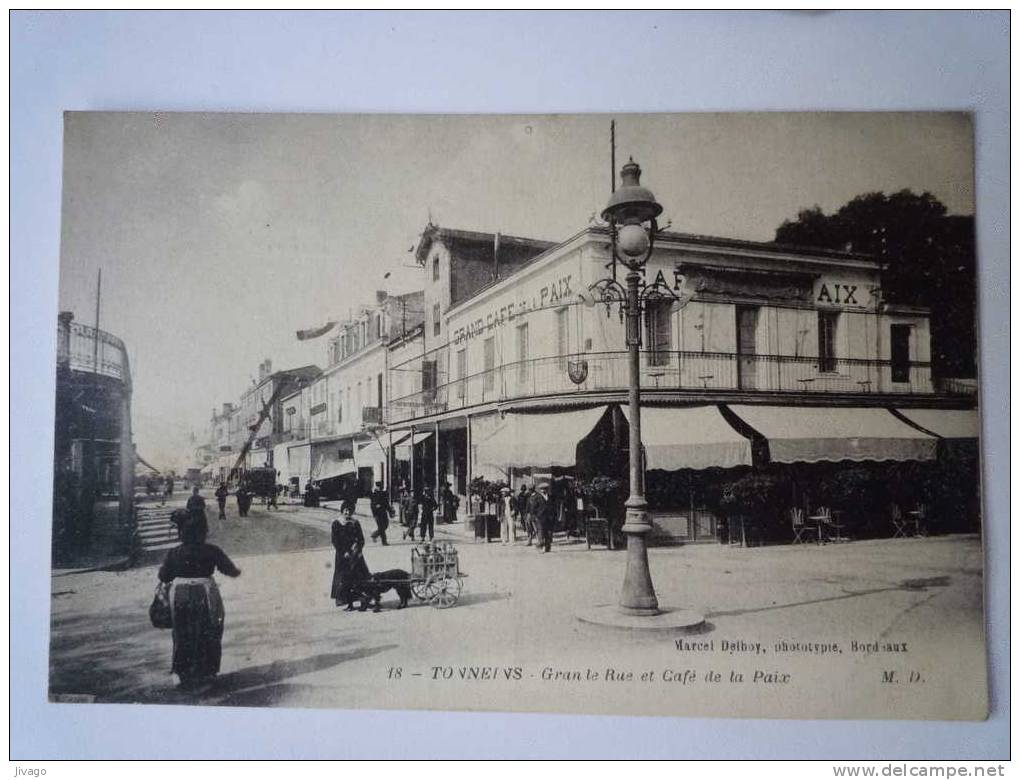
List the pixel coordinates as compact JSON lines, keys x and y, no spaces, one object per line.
{"x":772,"y":355}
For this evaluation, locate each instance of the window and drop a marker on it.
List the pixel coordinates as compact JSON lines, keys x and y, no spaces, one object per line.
{"x":522,"y":353}
{"x":436,"y":326}
{"x":562,"y":335}
{"x":658,"y":332}
{"x":429,"y":375}
{"x":378,"y":326}
{"x":899,"y":346}
{"x":827,"y":322}
{"x":378,"y":389}
{"x":339,"y":406}
{"x":435,"y":268}
{"x":461,"y":372}
{"x":489,"y":356}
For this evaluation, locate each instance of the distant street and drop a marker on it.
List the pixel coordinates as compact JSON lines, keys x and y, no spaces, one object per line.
{"x":287,"y":644}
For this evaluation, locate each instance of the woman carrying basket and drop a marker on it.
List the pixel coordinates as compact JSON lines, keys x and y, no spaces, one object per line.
{"x":195,"y":600}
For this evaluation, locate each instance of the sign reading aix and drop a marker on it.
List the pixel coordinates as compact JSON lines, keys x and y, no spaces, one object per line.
{"x":846,"y":293}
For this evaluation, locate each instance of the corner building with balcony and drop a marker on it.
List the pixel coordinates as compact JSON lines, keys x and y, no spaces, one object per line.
{"x":778,"y":360}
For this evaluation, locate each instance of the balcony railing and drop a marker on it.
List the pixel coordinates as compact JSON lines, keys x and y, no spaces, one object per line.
{"x":685,"y":371}
{"x":83,"y":348}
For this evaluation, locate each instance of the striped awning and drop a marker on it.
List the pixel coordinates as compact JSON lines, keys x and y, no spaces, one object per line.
{"x":695,"y":437}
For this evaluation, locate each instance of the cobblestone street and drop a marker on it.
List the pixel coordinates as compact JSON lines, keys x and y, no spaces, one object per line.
{"x":287,"y":644}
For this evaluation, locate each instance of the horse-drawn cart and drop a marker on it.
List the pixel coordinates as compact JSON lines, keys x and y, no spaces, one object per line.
{"x":435,"y":574}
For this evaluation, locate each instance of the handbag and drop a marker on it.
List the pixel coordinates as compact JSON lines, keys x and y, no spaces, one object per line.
{"x":161,"y":614}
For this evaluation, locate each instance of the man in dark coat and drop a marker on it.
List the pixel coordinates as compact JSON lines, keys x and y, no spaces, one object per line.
{"x":541,"y":508}
{"x":381,"y":511}
{"x":427,"y":514}
{"x":221,"y":500}
{"x":195,"y":501}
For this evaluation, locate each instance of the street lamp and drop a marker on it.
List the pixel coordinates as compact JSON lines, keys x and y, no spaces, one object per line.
{"x":631,"y":214}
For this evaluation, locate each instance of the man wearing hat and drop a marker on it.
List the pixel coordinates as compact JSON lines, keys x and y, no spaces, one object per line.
{"x":381,"y":511}
{"x":541,"y":509}
{"x":506,"y":509}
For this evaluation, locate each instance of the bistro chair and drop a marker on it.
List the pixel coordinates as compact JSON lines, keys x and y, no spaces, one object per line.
{"x":919,"y":519}
{"x":834,"y":527}
{"x":899,"y":523}
{"x":801,"y":526}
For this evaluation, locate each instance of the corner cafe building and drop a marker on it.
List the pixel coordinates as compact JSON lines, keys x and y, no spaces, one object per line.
{"x":781,"y":358}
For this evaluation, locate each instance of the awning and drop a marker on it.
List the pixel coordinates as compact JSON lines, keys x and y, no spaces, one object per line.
{"x":327,"y":463}
{"x":369,"y":453}
{"x":801,"y":434}
{"x":947,"y":423}
{"x":402,"y":446}
{"x":696,"y":437}
{"x":522,"y":440}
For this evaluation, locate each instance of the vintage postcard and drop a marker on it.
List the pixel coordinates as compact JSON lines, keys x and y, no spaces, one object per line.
{"x":666,"y":414}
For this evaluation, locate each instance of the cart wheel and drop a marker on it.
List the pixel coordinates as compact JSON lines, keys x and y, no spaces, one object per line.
{"x":418,"y":589}
{"x":444,"y":590}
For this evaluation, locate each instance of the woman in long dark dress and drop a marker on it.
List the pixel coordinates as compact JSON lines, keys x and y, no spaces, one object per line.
{"x":195,"y":599}
{"x":349,"y":565}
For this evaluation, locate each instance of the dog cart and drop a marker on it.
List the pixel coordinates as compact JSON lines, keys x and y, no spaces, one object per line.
{"x":435,"y":574}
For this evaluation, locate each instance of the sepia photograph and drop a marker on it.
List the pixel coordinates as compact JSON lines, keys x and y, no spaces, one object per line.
{"x":667,"y":414}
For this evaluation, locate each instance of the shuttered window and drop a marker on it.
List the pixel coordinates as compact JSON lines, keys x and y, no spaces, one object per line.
{"x":658,"y":332}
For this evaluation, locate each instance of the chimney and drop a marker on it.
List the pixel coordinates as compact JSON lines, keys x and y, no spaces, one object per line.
{"x":269,"y":366}
{"x":227,"y":409}
{"x":381,"y":296}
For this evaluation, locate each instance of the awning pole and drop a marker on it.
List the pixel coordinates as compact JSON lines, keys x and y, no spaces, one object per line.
{"x":467,"y":458}
{"x":412,"y":462}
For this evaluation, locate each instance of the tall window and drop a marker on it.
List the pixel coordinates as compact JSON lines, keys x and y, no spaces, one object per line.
{"x":339,"y":405}
{"x":429,"y":376}
{"x":522,"y":353}
{"x":435,"y":320}
{"x":562,"y":334}
{"x":658,"y":332}
{"x":435,"y":268}
{"x":378,"y":389}
{"x":461,"y":372}
{"x":827,"y":323}
{"x":489,"y":356}
{"x":899,"y":345}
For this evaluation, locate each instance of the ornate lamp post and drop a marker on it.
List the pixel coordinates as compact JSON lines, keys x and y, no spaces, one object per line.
{"x":631,"y":214}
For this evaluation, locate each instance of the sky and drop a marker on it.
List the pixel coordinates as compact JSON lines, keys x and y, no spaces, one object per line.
{"x":220,"y":235}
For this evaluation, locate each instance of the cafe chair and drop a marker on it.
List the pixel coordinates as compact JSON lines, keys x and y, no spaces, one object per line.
{"x":899,"y":523}
{"x":919,"y":519}
{"x":834,"y":527}
{"x":801,"y":526}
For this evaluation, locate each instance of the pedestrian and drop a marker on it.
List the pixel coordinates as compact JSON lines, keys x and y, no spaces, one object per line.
{"x":521,"y":509}
{"x":349,"y":565}
{"x":410,"y":516}
{"x":543,"y":513}
{"x":221,"y":500}
{"x":271,"y":498}
{"x":243,"y":500}
{"x":195,"y":600}
{"x":450,"y":504}
{"x":349,"y":504}
{"x":195,"y":501}
{"x":507,"y":522}
{"x":427,"y":514}
{"x":168,"y":491}
{"x":381,"y":511}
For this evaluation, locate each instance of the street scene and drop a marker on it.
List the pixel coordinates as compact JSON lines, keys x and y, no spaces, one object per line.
{"x":291,"y":646}
{"x":573,"y":440}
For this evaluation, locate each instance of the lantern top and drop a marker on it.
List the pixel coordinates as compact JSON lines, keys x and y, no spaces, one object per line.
{"x":631,"y":202}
